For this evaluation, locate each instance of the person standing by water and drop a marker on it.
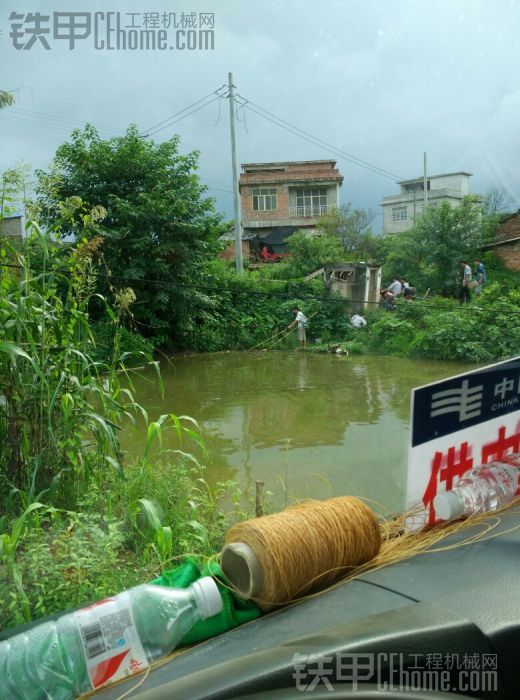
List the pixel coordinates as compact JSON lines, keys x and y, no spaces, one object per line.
{"x":480,"y":276}
{"x":465,"y":283}
{"x":301,"y":320}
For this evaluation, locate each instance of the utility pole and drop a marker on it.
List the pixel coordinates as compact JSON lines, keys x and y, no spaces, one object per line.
{"x":236,"y":194}
{"x":425,"y":185}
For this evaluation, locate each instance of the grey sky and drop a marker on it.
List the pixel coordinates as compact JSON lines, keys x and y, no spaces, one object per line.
{"x":384,"y":81}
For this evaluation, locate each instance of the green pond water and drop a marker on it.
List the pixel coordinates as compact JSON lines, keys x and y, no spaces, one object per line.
{"x":307,"y":425}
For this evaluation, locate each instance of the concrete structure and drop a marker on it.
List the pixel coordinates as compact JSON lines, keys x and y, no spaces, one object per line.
{"x":11,"y":227}
{"x":280,"y":198}
{"x":359,"y":283}
{"x":401,"y":210}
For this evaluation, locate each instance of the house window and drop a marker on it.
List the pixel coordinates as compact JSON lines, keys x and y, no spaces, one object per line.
{"x":399,"y":214}
{"x":311,"y":198}
{"x":264,"y":200}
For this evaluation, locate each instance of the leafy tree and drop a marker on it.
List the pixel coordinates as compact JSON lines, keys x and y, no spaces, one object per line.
{"x":352,"y":227}
{"x":15,"y":184}
{"x":6,"y":99}
{"x":429,"y":254}
{"x":159,"y":229}
{"x":312,"y":251}
{"x":497,"y":201}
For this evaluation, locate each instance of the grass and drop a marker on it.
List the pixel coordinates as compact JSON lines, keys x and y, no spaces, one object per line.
{"x":77,"y":523}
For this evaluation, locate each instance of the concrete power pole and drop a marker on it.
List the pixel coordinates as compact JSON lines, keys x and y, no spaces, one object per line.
{"x":236,"y":194}
{"x":425,"y":185}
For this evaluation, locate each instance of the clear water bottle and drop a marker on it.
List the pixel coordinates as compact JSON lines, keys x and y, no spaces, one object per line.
{"x":110,"y":640}
{"x":484,"y":489}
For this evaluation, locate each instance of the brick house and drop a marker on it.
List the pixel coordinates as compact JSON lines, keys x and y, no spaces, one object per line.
{"x":280,"y":198}
{"x":507,"y":243}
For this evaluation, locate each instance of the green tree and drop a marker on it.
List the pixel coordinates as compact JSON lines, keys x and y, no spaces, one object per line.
{"x":15,"y":185}
{"x":352,"y":228}
{"x":429,"y":254}
{"x":6,"y":99}
{"x":497,"y":201}
{"x":311,"y":251}
{"x":159,"y":229}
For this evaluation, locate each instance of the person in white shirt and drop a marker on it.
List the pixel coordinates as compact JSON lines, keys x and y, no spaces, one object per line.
{"x":395,"y":288}
{"x":389,"y":294}
{"x":301,"y":320}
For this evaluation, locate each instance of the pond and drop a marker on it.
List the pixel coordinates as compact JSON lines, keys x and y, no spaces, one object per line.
{"x":308,"y":425}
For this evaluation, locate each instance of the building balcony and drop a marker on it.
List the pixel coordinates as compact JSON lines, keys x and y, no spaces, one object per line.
{"x":307,"y":212}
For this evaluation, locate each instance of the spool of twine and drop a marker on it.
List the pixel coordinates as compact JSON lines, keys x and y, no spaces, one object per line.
{"x":279,"y":558}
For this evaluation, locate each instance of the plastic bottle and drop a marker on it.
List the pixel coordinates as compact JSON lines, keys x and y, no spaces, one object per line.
{"x":485,"y":488}
{"x":105,"y":642}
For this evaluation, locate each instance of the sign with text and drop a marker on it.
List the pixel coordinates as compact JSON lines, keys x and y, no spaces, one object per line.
{"x":459,"y":423}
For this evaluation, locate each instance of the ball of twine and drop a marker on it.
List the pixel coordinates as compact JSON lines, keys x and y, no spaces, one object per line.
{"x":308,"y":546}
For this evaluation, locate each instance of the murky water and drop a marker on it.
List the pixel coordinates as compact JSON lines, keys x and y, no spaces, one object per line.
{"x":307,"y":425}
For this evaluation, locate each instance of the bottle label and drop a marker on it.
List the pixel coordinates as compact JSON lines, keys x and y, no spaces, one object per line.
{"x":111,"y":644}
{"x":506,"y":473}
{"x":513,"y":460}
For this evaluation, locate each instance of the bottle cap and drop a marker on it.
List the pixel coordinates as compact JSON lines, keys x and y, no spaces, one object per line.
{"x":241,"y":566}
{"x":207,"y":595}
{"x":448,"y":506}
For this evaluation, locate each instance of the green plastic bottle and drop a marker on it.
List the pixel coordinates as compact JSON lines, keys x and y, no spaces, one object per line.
{"x":113,"y":639}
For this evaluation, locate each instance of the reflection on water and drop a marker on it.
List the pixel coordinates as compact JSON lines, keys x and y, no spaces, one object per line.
{"x":308,"y":425}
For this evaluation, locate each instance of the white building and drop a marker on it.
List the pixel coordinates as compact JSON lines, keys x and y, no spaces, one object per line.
{"x":401,"y":210}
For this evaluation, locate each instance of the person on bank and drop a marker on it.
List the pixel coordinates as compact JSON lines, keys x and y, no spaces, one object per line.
{"x":395,"y":288}
{"x":390,"y":293}
{"x":301,"y":320}
{"x":465,"y":283}
{"x":480,"y":276}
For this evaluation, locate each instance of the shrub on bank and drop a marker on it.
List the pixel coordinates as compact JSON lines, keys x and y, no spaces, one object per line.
{"x":440,"y":329}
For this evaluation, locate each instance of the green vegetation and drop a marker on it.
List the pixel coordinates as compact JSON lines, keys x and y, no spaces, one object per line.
{"x":159,"y":229}
{"x":78,"y":522}
{"x":6,"y":99}
{"x":429,"y":254}
{"x":126,"y":264}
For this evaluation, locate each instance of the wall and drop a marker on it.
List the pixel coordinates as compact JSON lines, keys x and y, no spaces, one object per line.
{"x":11,"y":228}
{"x":229,"y":253}
{"x":390,"y":226}
{"x":331,"y":192}
{"x":509,"y":229}
{"x":509,"y":252}
{"x":451,"y":182}
{"x":286,"y":197}
{"x":282,"y":200}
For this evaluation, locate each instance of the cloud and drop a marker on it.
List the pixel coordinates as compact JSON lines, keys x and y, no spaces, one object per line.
{"x":382,"y":80}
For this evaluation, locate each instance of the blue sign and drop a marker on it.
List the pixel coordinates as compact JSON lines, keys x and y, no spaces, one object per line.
{"x":466,"y":400}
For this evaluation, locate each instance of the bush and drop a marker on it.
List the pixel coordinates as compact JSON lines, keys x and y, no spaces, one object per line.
{"x":65,"y":560}
{"x":486,"y":330}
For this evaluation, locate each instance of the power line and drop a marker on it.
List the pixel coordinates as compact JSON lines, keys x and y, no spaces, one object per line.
{"x":188,"y":114}
{"x":32,"y":123}
{"x":57,"y":118}
{"x":282,"y":123}
{"x":163,"y":124}
{"x":44,"y":125}
{"x":284,"y":295}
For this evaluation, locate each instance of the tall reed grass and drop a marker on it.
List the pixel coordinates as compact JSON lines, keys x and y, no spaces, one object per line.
{"x":59,"y":407}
